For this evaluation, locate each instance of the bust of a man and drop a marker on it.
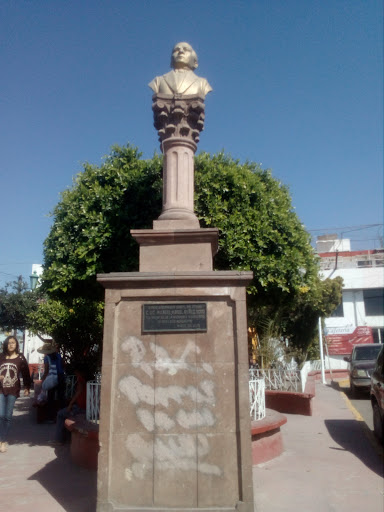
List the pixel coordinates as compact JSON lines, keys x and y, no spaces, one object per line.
{"x":181,"y":80}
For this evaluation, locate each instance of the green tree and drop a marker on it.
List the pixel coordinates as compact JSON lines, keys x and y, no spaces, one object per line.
{"x":16,"y":303}
{"x":91,"y":234}
{"x":92,"y":222}
{"x":319,"y":301}
{"x":259,"y":231}
{"x":75,"y":325}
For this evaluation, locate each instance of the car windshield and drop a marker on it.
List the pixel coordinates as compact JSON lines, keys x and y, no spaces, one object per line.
{"x":366,"y":353}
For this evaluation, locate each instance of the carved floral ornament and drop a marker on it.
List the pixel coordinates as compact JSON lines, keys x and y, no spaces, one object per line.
{"x":178,"y":116}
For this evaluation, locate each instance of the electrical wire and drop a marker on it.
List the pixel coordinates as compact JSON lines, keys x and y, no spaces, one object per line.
{"x":344,"y":228}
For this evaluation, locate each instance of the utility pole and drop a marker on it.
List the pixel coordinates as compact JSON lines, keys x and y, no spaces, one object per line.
{"x":321,"y":352}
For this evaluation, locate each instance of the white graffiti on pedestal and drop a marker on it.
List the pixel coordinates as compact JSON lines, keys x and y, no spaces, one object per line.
{"x":153,"y":410}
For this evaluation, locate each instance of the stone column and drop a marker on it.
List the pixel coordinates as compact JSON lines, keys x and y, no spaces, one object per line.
{"x":178,"y":179}
{"x":179,"y":120}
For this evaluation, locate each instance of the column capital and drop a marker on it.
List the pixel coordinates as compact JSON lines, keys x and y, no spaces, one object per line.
{"x":178,"y":116}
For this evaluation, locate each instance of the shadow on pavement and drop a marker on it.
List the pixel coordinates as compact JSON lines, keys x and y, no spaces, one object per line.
{"x":357,"y":395}
{"x":24,"y":428}
{"x":349,"y":435}
{"x":72,"y":487}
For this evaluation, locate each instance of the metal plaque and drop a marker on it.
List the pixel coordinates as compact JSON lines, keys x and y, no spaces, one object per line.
{"x":179,"y":317}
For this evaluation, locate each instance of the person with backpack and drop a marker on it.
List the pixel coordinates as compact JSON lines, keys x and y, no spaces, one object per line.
{"x":53,"y":379}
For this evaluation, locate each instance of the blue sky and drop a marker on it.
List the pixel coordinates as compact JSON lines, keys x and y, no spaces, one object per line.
{"x":297,"y":88}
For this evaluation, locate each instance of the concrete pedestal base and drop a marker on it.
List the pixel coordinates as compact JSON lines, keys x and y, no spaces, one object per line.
{"x":164,"y":250}
{"x":174,"y":423}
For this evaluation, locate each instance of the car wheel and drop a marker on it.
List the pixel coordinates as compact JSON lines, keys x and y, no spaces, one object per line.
{"x":378,"y":426}
{"x":352,"y":389}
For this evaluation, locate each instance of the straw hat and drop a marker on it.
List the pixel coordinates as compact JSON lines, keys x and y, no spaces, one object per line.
{"x":48,"y":348}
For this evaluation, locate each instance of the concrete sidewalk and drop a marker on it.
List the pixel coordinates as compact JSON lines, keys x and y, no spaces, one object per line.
{"x":36,"y":476}
{"x":330,"y":463}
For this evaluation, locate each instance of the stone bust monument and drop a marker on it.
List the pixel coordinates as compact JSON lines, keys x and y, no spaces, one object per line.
{"x":181,"y":80}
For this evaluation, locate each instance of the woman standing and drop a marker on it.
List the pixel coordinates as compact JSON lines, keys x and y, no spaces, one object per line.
{"x":12,"y":363}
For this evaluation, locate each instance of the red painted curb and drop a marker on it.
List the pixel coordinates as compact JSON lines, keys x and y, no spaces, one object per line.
{"x":267,"y":441}
{"x":272,"y":421}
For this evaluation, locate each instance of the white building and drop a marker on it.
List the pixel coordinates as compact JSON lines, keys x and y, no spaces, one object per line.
{"x":360,"y":316}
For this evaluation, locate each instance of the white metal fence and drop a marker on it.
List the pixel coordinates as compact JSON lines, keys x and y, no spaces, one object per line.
{"x":304,"y":373}
{"x":93,"y":401}
{"x":257,"y":398}
{"x":278,"y":379}
{"x":40,"y":371}
{"x":259,"y":381}
{"x":93,"y":396}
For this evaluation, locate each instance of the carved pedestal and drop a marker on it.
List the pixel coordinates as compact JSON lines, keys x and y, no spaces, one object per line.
{"x":175,"y":425}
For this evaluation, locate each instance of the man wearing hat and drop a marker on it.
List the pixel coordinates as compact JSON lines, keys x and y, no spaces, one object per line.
{"x":53,"y":377}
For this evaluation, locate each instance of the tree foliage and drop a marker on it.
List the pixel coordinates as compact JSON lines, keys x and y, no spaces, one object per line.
{"x":259,"y":231}
{"x":16,"y":303}
{"x":75,"y":324}
{"x":319,"y":301}
{"x":92,"y":222}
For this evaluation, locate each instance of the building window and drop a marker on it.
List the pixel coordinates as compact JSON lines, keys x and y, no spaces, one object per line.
{"x":364,"y":263}
{"x":339,"y":311}
{"x":374,"y":302}
{"x":378,"y":334}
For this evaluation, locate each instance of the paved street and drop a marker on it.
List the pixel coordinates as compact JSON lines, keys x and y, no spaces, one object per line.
{"x":363,"y":405}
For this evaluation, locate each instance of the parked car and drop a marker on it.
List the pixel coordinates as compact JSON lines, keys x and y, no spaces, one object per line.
{"x":377,"y":396}
{"x":362,"y":361}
